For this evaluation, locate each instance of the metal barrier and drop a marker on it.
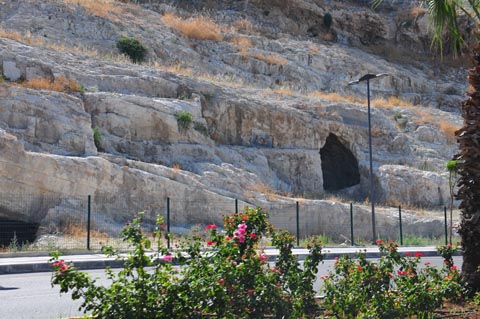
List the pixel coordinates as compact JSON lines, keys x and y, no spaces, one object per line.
{"x":49,"y":222}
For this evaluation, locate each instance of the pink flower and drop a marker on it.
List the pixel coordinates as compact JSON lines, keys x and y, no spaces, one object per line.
{"x":221,"y":281}
{"x":379,"y":241}
{"x":419,"y":255}
{"x":449,"y":245}
{"x":324,"y":277}
{"x":209,"y":243}
{"x":427,"y":263}
{"x":262,"y":257}
{"x":408,"y":254}
{"x":168,"y":258}
{"x":241,"y":239}
{"x":228,"y":238}
{"x":63,"y":268}
{"x":237,"y":233}
{"x":359,"y":268}
{"x":453,"y":268}
{"x":242,"y":231}
{"x":234,"y":263}
{"x":211,"y":226}
{"x":254,"y":237}
{"x":242,"y":226}
{"x":402,"y":272}
{"x":59,"y":263}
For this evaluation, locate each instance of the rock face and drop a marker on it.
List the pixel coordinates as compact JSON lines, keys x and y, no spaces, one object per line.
{"x":263,"y":120}
{"x":47,"y":121}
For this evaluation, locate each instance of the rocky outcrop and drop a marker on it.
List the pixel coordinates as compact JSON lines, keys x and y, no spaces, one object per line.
{"x":259,"y":129}
{"x":47,"y":121}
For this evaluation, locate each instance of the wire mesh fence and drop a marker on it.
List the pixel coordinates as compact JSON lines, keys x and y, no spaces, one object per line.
{"x":51,"y":222}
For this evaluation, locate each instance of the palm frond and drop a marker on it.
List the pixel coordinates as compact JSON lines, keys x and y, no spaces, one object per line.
{"x":443,"y":14}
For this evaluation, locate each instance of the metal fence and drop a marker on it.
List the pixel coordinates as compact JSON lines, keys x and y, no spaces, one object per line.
{"x":53,"y":222}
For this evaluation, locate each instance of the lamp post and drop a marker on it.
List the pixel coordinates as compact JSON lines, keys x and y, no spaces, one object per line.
{"x":367,"y":78}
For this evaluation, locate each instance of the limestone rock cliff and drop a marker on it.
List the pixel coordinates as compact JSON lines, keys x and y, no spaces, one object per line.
{"x":272,"y":115}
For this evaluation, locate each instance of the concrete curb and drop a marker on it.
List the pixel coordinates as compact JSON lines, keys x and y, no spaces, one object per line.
{"x":35,"y":263}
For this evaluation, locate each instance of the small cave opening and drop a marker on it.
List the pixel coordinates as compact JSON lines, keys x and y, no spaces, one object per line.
{"x":339,"y":165}
{"x":17,"y":232}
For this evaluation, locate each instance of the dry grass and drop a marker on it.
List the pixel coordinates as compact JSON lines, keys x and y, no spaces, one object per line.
{"x":100,"y":8}
{"x":59,"y":84}
{"x":284,"y":91}
{"x":10,"y":34}
{"x":242,"y":42}
{"x":271,"y":59}
{"x":381,"y":102}
{"x":79,"y":232}
{"x":448,"y":129}
{"x":390,"y":102}
{"x":32,"y":40}
{"x":200,"y":27}
{"x":26,"y":38}
{"x":335,"y":97}
{"x":243,"y":45}
{"x":244,"y":26}
{"x":378,"y":132}
{"x":270,"y":194}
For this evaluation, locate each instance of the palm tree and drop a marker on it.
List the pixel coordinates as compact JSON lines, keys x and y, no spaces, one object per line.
{"x":444,"y":15}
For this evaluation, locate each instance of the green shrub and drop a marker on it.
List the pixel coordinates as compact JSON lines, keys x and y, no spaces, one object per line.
{"x":97,"y":139}
{"x":132,"y":48}
{"x":231,"y":280}
{"x":394,"y":287}
{"x":184,"y":119}
{"x":327,"y":20}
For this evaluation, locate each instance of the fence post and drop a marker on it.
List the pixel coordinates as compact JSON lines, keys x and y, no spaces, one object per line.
{"x":236,"y":206}
{"x":168,"y":222}
{"x":298,"y":224}
{"x":446,"y":224}
{"x":400,"y":220}
{"x":351,"y":224}
{"x":89,"y":212}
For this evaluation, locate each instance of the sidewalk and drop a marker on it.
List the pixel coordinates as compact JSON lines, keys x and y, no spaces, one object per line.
{"x":25,"y":263}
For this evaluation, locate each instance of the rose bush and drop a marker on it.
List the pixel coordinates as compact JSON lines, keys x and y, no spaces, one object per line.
{"x":394,"y":287}
{"x":232,"y":279}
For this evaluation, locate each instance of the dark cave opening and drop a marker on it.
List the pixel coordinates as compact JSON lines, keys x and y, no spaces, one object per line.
{"x":17,"y":232}
{"x":339,"y":165}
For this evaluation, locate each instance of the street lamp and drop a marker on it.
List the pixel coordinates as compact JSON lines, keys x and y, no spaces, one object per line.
{"x":368,"y":77}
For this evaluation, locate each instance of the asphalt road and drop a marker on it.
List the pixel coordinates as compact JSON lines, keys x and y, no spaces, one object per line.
{"x":31,"y":296}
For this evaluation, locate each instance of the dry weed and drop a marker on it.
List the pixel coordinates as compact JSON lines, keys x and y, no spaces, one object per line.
{"x":424,"y":117}
{"x":59,"y":84}
{"x":378,"y":132}
{"x":200,"y":27}
{"x":335,"y":97}
{"x":448,"y":129}
{"x":176,"y":68}
{"x":12,"y":35}
{"x":32,"y":40}
{"x":100,"y":8}
{"x":244,"y":25}
{"x":284,"y":91}
{"x":242,"y":42}
{"x":390,"y":102}
{"x":272,"y":59}
{"x":79,"y":232}
{"x":262,"y":188}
